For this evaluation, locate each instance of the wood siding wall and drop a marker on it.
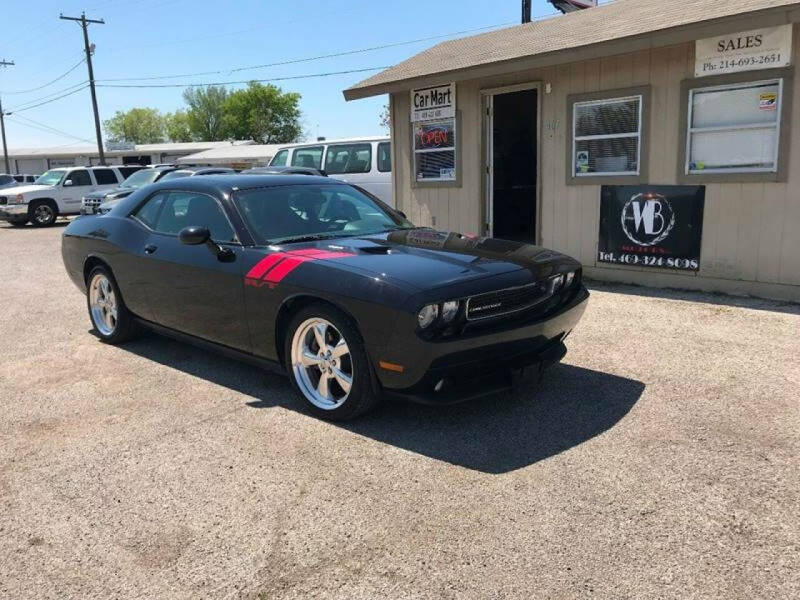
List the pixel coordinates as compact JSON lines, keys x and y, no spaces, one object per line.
{"x":751,"y":231}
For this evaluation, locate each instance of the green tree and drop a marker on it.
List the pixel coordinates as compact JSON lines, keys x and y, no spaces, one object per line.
{"x":138,"y":125}
{"x":263,"y":113}
{"x":205,"y":112}
{"x":177,"y":126}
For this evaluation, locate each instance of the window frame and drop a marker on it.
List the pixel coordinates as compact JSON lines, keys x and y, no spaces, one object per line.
{"x":785,"y":77}
{"x":113,"y":173}
{"x":423,"y":183}
{"x":643,"y":93}
{"x":69,"y":174}
{"x":132,"y":215}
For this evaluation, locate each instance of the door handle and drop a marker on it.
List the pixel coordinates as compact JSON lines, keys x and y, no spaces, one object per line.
{"x":150,"y":248}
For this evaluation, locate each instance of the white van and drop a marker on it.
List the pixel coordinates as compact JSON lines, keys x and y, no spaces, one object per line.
{"x":365,"y":162}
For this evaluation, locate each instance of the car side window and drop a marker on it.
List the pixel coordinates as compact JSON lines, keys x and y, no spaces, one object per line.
{"x":384,"y":157}
{"x":148,"y":212}
{"x":348,"y":158}
{"x":308,"y":157}
{"x":279,"y":160}
{"x":79,"y":177}
{"x":104,"y":176}
{"x":182,"y":209}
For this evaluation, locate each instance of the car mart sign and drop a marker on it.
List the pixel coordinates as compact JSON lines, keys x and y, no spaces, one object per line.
{"x":438,"y":102}
{"x":745,"y":51}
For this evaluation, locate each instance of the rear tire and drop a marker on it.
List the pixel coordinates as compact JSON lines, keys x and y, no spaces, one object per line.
{"x":111,"y":319}
{"x":327,"y":363}
{"x":42,"y":213}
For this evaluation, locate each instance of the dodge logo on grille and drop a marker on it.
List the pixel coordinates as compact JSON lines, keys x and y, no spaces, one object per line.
{"x":486,"y":307}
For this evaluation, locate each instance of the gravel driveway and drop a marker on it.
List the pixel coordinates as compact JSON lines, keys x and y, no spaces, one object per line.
{"x":660,"y":460}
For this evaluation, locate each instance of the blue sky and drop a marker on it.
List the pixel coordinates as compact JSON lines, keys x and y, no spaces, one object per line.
{"x":147,"y":38}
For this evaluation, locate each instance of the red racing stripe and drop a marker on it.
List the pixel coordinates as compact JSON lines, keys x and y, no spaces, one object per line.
{"x":285,"y":267}
{"x":264,"y":265}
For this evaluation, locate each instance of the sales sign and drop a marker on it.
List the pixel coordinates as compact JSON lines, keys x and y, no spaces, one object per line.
{"x":764,"y":48}
{"x":438,"y":102}
{"x":652,"y":225}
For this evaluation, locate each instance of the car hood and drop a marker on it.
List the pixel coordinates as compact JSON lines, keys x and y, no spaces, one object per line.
{"x":429,"y":259}
{"x":26,"y":189}
{"x":111,"y":192}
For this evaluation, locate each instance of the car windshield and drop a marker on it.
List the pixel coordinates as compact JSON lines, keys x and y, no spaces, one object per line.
{"x":50,"y":178}
{"x":140,"y":178}
{"x":306,"y":212}
{"x":6,"y":179}
{"x":176,"y":174}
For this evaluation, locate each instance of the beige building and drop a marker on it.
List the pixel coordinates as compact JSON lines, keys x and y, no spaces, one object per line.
{"x":654,"y":140}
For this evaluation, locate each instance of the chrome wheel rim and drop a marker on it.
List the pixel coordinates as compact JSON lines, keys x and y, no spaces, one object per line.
{"x":42,"y":213}
{"x":321,"y":363}
{"x":103,"y":304}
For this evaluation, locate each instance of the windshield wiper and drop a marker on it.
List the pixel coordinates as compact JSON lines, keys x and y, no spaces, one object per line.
{"x":307,"y":238}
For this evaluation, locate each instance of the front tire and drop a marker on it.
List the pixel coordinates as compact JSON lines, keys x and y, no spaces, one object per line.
{"x":112,"y":321}
{"x":42,"y":213}
{"x":327,"y":364}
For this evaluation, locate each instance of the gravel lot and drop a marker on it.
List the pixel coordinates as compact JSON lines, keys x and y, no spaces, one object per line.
{"x":659,"y":461}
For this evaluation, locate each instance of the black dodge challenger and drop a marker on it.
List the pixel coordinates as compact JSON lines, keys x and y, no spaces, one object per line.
{"x":320,"y":278}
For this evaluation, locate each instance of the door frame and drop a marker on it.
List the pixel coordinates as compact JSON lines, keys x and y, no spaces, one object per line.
{"x":487,"y":110}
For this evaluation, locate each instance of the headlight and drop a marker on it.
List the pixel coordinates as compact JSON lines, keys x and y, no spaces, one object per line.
{"x":556,"y":283}
{"x":427,"y":315}
{"x":570,"y":277}
{"x":449,"y":310}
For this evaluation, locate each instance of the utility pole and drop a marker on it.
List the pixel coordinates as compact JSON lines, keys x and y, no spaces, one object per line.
{"x":4,"y":63}
{"x":526,"y":11}
{"x":85,"y":25}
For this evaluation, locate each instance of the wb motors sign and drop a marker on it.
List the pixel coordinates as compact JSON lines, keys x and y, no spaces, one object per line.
{"x":438,"y":102}
{"x":652,"y":225}
{"x":765,"y":48}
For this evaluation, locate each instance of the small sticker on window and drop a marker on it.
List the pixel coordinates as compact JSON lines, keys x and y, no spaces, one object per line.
{"x":582,"y":161}
{"x":447,"y":173}
{"x":768,"y":101}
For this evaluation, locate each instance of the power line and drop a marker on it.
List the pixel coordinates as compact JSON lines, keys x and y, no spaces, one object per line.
{"x":310,"y":58}
{"x":49,"y":83}
{"x":59,"y":93}
{"x":18,"y":110}
{"x":205,"y":84}
{"x":44,"y":127}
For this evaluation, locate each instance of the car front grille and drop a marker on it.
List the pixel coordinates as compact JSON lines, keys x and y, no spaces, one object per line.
{"x":3,"y":200}
{"x":92,"y":201}
{"x":501,"y":302}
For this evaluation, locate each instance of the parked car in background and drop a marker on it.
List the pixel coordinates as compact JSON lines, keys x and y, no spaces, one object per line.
{"x":365,"y":162}
{"x":8,"y":180}
{"x":172,"y":174}
{"x":140,"y":177}
{"x":194,"y":171}
{"x":58,"y":192}
{"x":284,"y":171}
{"x":313,"y":276}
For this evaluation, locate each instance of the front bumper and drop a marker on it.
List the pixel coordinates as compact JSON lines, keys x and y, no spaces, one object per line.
{"x":462,"y":369}
{"x":14,"y":212}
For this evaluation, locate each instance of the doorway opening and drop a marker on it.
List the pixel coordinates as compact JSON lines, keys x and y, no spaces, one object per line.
{"x":512,"y":163}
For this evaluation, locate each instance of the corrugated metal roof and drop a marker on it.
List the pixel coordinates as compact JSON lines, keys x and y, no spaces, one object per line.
{"x":166,"y":147}
{"x":613,"y":21}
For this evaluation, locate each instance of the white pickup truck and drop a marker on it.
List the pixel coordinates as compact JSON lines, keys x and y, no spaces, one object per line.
{"x":56,"y":193}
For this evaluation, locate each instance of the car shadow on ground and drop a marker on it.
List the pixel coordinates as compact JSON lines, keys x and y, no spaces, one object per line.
{"x":495,"y":434}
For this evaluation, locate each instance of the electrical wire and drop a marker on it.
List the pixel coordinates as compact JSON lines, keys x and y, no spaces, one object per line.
{"x":205,"y":84}
{"x":49,"y":83}
{"x":24,"y":108}
{"x":45,"y":127}
{"x":310,"y":58}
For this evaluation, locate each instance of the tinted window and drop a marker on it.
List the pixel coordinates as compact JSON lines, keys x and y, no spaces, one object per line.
{"x":79,"y":177}
{"x":128,"y":171}
{"x":308,"y":157}
{"x":104,"y":176}
{"x":19,"y":178}
{"x":279,"y":160}
{"x":384,"y":157}
{"x":30,"y":178}
{"x":277,"y":213}
{"x":183,"y":209}
{"x":349,"y":158}
{"x":148,"y":212}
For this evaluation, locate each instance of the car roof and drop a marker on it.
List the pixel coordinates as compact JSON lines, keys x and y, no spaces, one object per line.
{"x":225,"y":184}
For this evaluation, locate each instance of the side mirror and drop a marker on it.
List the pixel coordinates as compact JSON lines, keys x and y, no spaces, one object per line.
{"x":194,"y":235}
{"x":401,"y":213}
{"x":68,"y":183}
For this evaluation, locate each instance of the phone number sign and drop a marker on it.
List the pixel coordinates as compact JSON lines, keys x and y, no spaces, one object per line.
{"x":764,"y":48}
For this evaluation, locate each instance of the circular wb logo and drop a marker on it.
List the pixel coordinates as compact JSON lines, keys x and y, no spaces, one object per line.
{"x":647,"y":218}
